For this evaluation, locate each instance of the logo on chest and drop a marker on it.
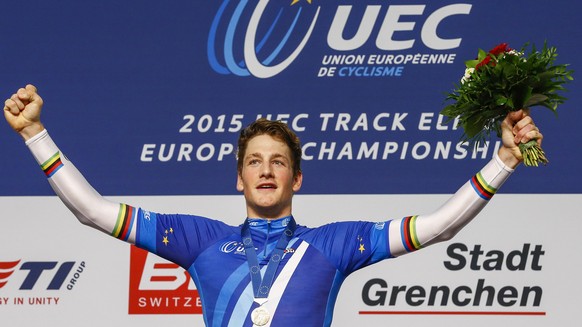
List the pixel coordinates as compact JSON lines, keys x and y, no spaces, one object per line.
{"x":237,"y":247}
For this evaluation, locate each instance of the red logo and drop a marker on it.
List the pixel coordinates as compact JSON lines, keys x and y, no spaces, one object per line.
{"x":6,"y":270}
{"x":157,"y":286}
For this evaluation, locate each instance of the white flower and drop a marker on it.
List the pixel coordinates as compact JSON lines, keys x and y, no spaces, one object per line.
{"x":514,"y":52}
{"x":468,"y":73}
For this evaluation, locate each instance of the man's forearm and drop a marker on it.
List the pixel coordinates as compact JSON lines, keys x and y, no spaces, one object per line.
{"x":74,"y":190}
{"x":453,"y":215}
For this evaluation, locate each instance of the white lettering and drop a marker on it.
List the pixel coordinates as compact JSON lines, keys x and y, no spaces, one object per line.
{"x":335,"y":37}
{"x":429,"y":30}
{"x":392,"y":24}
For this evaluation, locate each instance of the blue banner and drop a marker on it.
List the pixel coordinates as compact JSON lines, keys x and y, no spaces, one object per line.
{"x":148,"y":97}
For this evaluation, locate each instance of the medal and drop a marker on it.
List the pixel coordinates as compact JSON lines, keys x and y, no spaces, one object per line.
{"x":260,"y":316}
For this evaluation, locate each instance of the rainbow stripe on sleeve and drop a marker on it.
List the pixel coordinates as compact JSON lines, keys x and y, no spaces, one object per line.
{"x":125,"y":221}
{"x":484,"y":190}
{"x":52,"y":165}
{"x":408,"y":234}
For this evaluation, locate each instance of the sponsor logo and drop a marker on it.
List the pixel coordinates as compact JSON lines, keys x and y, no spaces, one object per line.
{"x":496,"y":282}
{"x":157,"y":286}
{"x":20,"y":277}
{"x":233,"y":247}
{"x":239,"y":248}
{"x":264,"y":38}
{"x":47,"y":275}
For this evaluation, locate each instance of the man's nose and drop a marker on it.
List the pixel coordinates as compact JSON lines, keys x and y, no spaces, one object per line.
{"x":266,"y":170}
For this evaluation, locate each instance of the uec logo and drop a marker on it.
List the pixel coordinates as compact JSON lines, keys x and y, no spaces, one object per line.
{"x":398,"y":19}
{"x":251,"y":64}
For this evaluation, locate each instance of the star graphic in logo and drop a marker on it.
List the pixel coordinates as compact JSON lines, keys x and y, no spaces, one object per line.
{"x":165,"y":240}
{"x":362,"y":248}
{"x":296,"y":1}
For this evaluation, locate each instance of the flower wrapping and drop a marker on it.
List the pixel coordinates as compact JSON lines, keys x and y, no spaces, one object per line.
{"x":503,"y":80}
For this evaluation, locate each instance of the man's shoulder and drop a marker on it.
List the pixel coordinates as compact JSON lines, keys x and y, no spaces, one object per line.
{"x":187,"y":220}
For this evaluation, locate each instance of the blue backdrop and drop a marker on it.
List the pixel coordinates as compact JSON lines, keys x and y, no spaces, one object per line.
{"x":123,"y":81}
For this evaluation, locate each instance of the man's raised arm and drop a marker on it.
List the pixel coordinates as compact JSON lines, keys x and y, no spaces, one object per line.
{"x":22,"y":112}
{"x":414,"y":232}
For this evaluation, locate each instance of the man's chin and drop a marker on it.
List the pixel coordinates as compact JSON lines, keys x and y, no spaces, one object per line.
{"x":270,"y":211}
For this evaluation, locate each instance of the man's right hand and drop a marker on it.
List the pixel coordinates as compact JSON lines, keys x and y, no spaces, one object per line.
{"x":22,"y":112}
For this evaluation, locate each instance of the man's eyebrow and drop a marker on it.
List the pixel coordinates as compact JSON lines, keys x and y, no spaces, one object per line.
{"x":254,"y":155}
{"x":285,"y":159}
{"x":259,"y":155}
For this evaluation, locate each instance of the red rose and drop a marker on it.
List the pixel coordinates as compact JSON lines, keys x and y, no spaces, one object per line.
{"x":502,"y":48}
{"x":484,"y":62}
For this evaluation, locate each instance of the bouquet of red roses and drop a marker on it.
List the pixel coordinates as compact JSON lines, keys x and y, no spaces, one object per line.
{"x":504,"y":80}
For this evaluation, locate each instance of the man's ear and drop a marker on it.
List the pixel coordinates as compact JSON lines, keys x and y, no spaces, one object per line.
{"x":297,"y":181}
{"x":239,"y":183}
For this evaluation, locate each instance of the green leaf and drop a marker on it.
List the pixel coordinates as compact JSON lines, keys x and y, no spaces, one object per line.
{"x":471,"y":63}
{"x":448,"y":111}
{"x":535,"y":99}
{"x":500,"y":100}
{"x":481,"y":55}
{"x":472,"y":127}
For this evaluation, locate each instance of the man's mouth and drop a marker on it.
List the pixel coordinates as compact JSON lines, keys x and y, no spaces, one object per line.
{"x":266,"y":186}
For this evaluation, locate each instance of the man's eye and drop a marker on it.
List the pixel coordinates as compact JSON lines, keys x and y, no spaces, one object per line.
{"x":253,"y":162}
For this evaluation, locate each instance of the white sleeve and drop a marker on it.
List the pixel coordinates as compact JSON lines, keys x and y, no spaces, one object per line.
{"x":414,"y":232}
{"x":78,"y":195}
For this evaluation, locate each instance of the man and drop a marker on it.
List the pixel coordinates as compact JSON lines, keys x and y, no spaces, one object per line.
{"x":282,"y":274}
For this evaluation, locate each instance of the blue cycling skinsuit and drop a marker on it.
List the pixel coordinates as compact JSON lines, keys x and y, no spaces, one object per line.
{"x":312,"y":269}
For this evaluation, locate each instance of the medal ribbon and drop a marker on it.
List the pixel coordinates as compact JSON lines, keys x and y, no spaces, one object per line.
{"x":262,"y":286}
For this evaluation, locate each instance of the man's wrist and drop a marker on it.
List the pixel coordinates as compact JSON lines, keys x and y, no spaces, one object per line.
{"x":30,"y":131}
{"x":507,"y":157}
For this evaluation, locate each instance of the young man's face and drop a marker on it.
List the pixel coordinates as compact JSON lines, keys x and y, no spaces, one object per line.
{"x":267,"y":178}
